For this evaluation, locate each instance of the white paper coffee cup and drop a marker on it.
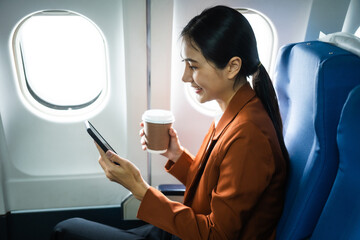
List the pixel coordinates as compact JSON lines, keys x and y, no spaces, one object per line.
{"x":157,"y":123}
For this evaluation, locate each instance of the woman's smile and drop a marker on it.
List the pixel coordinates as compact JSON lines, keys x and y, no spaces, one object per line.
{"x":197,"y":89}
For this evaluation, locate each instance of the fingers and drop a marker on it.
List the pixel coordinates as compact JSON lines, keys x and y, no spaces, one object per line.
{"x":175,"y":149}
{"x":141,"y":132}
{"x":124,"y":173}
{"x":174,"y":137}
{"x":103,"y":160}
{"x":102,"y":153}
{"x":172,"y":132}
{"x":102,"y":164}
{"x":143,"y":143}
{"x":114,"y":158}
{"x":142,"y":137}
{"x":106,"y":159}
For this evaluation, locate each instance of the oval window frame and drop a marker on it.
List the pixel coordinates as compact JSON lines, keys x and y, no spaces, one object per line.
{"x":42,"y":107}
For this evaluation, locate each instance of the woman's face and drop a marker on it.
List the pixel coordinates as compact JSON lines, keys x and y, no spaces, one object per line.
{"x":208,"y":82}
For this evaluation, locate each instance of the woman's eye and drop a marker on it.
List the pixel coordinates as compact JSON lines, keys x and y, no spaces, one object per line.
{"x":192,"y":67}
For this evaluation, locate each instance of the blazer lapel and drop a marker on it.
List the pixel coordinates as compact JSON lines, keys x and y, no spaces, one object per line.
{"x":198,"y":165}
{"x":240,"y":99}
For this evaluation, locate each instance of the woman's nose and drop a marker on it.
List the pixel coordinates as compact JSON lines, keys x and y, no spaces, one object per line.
{"x":186,"y":76}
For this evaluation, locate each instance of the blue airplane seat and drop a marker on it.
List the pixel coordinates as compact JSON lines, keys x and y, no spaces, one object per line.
{"x":312,"y":80}
{"x":340,"y":218}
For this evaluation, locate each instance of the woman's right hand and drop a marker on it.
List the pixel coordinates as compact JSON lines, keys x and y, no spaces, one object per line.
{"x":175,"y":149}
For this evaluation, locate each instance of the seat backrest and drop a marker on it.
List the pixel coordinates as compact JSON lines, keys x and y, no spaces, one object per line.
{"x":312,"y":80}
{"x":340,"y":218}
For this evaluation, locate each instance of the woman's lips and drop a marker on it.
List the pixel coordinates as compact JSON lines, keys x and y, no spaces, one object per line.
{"x":197,"y":89}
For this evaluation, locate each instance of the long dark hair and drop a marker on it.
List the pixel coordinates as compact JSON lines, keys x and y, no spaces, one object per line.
{"x":221,"y":33}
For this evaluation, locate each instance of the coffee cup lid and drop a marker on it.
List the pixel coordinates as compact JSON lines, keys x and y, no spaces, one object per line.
{"x":158,"y":116}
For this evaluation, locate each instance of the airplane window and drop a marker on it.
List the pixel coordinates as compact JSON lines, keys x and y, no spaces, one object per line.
{"x":61,"y":62}
{"x":264,"y":33}
{"x":266,"y":40}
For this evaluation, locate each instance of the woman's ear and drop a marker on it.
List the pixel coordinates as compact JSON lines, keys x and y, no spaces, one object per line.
{"x":233,"y":67}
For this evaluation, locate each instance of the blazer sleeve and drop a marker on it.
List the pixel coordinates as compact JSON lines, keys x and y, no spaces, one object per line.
{"x":244,"y":174}
{"x":181,"y":167}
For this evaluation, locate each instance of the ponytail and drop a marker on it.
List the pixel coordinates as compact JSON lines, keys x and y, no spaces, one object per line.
{"x":265,"y":91}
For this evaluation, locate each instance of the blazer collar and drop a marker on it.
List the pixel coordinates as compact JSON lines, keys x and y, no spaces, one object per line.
{"x":240,"y":99}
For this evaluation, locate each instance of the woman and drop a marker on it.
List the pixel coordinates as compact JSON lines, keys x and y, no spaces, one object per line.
{"x":235,"y":184}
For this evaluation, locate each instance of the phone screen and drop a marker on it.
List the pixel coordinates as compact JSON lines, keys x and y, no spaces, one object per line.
{"x":97,"y":137}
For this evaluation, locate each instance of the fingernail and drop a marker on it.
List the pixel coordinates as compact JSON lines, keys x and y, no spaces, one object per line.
{"x":108,"y":154}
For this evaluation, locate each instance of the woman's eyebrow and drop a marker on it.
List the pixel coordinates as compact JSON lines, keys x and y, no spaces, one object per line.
{"x":189,"y":60}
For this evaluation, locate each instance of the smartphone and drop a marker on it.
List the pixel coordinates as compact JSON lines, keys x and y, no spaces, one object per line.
{"x":97,"y":137}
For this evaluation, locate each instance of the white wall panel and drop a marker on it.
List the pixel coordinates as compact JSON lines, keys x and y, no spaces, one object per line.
{"x":352,"y":19}
{"x":326,"y":16}
{"x":52,"y":164}
{"x":161,"y":46}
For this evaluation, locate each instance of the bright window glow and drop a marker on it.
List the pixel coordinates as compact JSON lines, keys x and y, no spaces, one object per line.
{"x":264,"y":34}
{"x":265,"y":37}
{"x":62,"y":59}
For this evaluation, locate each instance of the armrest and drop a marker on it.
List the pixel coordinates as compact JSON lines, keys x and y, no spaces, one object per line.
{"x":172,"y":189}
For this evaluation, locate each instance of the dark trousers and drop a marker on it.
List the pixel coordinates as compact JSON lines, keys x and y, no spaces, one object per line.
{"x":81,"y":229}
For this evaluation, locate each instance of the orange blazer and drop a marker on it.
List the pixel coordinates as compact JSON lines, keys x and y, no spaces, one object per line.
{"x":234,"y":186}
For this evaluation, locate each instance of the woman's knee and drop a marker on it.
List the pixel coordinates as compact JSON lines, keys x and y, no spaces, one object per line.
{"x":70,"y":228}
{"x":80,"y":229}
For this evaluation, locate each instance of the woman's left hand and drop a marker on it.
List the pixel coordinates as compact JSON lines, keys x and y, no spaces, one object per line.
{"x":126,"y":173}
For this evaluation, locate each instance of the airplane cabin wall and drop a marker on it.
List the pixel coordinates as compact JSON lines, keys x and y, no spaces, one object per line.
{"x":53,"y":164}
{"x":327,"y":19}
{"x":161,"y":52}
{"x":136,"y":80}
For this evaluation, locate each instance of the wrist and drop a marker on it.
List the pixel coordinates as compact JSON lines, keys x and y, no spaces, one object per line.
{"x":177,"y":156}
{"x":139,"y":194}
